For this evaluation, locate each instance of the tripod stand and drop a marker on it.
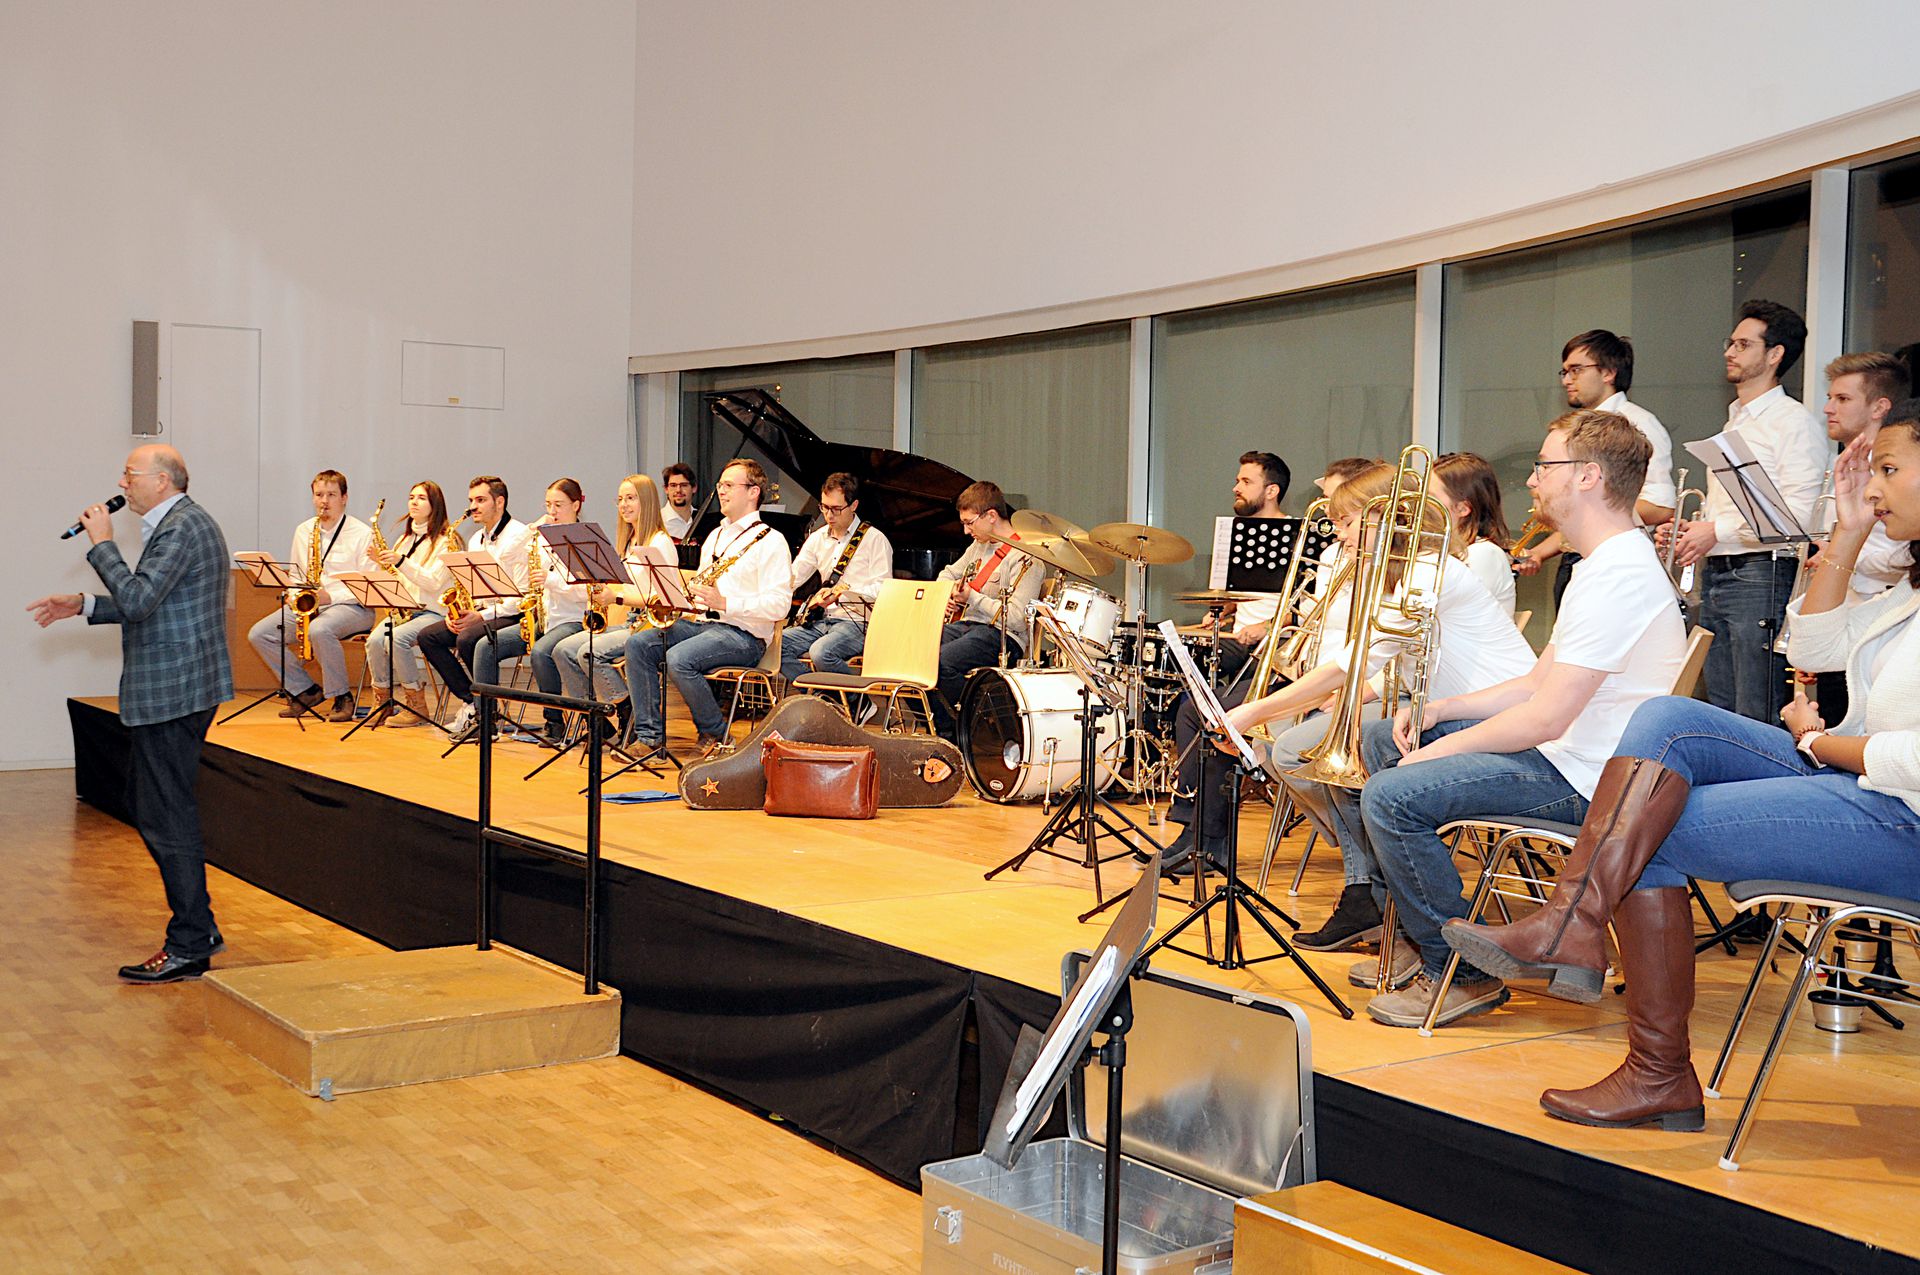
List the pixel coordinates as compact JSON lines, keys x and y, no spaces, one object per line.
{"x":374,"y":593}
{"x":264,"y":573}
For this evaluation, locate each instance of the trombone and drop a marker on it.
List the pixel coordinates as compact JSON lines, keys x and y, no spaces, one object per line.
{"x":1399,"y":532}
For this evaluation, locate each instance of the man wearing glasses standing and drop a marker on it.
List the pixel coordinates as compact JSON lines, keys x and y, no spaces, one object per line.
{"x":1746,"y":585}
{"x":172,"y":611}
{"x":1596,"y":371}
{"x":851,"y":558}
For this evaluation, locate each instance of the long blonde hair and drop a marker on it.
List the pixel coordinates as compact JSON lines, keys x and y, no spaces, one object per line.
{"x":649,"y":519}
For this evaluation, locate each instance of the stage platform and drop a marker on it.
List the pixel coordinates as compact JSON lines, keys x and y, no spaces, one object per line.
{"x":862,"y":981}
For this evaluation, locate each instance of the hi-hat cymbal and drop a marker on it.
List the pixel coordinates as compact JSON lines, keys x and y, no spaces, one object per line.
{"x":1137,"y":542}
{"x":1031,"y":522}
{"x":1213,"y":597}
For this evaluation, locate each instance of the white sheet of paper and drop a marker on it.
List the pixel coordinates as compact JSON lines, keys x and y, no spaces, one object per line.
{"x":1222,"y":552}
{"x":1093,"y":993}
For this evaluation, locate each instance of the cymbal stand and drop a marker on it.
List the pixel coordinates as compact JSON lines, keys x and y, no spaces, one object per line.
{"x":1148,"y":779}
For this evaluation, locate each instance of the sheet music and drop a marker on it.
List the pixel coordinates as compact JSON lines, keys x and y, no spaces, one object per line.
{"x":1222,"y":552}
{"x":1725,"y":454}
{"x":1203,"y":697}
{"x":1093,"y":994}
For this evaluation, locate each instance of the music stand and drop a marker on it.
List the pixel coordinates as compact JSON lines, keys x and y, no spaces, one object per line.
{"x":670,"y":593}
{"x":588,"y":558}
{"x":263,"y":572}
{"x":1232,"y":894}
{"x":374,"y":590}
{"x":485,"y":579}
{"x":1100,"y":1000}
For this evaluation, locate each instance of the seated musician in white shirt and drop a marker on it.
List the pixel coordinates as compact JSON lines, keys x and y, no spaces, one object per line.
{"x":338,"y":541}
{"x":449,"y":645}
{"x":745,"y":581}
{"x":563,"y":609}
{"x":677,"y":513}
{"x":423,"y":535}
{"x":995,"y":586}
{"x":851,"y":558}
{"x":637,"y":527}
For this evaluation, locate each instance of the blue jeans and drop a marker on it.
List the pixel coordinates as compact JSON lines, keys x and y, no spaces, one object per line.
{"x":1760,"y":810}
{"x":406,"y":650}
{"x":831,"y":643}
{"x":608,"y":645}
{"x":508,"y":643}
{"x":687,"y":651}
{"x":1402,"y":807}
{"x":964,"y":648}
{"x":1742,"y":604}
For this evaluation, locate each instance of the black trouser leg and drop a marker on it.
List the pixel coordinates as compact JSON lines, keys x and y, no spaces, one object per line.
{"x":165,"y":764}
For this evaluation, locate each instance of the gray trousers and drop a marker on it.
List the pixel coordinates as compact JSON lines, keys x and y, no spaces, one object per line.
{"x":331,"y":625}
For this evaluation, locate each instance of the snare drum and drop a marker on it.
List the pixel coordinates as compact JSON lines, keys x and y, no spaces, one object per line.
{"x":1019,"y":738}
{"x":1086,"y":612}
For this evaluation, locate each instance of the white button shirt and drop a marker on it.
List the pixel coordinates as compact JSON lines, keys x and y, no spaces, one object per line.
{"x":348,"y":553}
{"x":757,"y":590}
{"x":1790,"y":442}
{"x":1658,"y":487}
{"x":872,"y":563}
{"x":678,"y":524}
{"x":509,"y":545}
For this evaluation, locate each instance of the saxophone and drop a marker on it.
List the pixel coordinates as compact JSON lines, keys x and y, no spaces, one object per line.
{"x":377,"y":544}
{"x":306,"y":598}
{"x":707,"y":576}
{"x":533,"y":603}
{"x":456,"y":600}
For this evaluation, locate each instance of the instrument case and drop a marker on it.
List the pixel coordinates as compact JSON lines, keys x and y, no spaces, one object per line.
{"x":1218,"y":1091}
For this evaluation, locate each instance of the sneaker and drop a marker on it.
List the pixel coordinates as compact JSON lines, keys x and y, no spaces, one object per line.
{"x":1355,"y":920}
{"x":463,"y":721}
{"x":1406,"y":963}
{"x":1408,"y":1007}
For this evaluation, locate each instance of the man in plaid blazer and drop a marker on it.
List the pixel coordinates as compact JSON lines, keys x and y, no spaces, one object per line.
{"x":175,"y":672}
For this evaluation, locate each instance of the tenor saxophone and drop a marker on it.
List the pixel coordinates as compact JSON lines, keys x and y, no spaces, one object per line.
{"x":456,"y":600}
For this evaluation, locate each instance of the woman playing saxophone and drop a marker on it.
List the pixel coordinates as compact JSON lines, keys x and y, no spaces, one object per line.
{"x":561,"y":607}
{"x":637,"y":526}
{"x":420,"y":539}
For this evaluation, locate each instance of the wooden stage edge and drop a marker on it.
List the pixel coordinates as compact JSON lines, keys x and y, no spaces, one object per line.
{"x":935,"y":967}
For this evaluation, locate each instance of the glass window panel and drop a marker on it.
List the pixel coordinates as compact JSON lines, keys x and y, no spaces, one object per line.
{"x":1670,"y":286}
{"x":846,"y":400}
{"x":1313,"y":377}
{"x":1883,"y":256}
{"x":1044,"y":416}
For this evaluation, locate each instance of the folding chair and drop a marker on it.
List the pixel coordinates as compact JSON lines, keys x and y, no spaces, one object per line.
{"x":765,"y":674}
{"x":901,"y":661}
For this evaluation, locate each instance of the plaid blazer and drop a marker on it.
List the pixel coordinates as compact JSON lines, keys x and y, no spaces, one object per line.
{"x":172,"y":613}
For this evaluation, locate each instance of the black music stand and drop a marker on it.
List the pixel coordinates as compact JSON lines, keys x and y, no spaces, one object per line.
{"x":663,"y":577}
{"x":1232,"y":894}
{"x":264,"y":572}
{"x":588,"y":558}
{"x":1101,"y":1000}
{"x":374,"y":590}
{"x":485,"y":579}
{"x":1083,"y":815}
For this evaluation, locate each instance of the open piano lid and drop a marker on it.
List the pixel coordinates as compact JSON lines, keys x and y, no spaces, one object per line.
{"x":907,"y":496}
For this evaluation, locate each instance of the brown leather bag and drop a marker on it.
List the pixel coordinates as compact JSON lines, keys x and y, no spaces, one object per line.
{"x":819,"y":780}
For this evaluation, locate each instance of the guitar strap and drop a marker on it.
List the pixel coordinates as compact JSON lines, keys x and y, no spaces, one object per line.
{"x":846,"y":556}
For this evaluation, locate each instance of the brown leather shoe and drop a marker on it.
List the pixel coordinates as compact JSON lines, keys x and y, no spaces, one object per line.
{"x":163,"y":967}
{"x":1635,"y":806}
{"x":1656,"y":1084}
{"x":306,"y":701}
{"x":344,"y":709}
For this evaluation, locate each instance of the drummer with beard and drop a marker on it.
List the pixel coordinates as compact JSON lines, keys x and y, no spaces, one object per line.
{"x":994,"y":588}
{"x":1258,"y":488}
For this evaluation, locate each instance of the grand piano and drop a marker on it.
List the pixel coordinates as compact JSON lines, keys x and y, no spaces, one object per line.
{"x":907,"y":496}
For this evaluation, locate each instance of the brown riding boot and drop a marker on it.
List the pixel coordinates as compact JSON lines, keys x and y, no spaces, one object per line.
{"x":1635,"y":806}
{"x":1656,"y":1082}
{"x":416,"y":699}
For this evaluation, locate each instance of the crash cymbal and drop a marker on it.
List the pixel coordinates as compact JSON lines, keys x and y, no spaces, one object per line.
{"x":1213,"y":597}
{"x":1075,"y":557}
{"x":1137,"y":542}
{"x":1031,"y":522}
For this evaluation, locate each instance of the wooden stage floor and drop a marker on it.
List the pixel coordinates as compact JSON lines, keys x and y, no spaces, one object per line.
{"x":1836,"y":1144}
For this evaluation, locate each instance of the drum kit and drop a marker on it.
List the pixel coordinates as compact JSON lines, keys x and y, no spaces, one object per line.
{"x":1019,"y":730}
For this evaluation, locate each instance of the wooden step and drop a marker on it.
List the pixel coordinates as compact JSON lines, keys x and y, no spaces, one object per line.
{"x":1324,"y":1228}
{"x":352,"y":1023}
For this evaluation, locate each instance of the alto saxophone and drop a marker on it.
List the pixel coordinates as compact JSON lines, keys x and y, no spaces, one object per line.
{"x":306,"y":598}
{"x":456,"y":600}
{"x":706,"y":577}
{"x":533,"y":603}
{"x":377,"y":543}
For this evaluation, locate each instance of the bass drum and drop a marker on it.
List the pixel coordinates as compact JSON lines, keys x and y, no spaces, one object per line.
{"x":1019,"y":738}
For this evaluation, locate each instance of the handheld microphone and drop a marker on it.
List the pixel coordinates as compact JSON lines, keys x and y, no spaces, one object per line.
{"x":114,"y":505}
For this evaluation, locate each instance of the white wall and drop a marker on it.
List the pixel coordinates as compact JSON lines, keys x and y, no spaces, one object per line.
{"x":342,"y":175}
{"x":851,"y":167}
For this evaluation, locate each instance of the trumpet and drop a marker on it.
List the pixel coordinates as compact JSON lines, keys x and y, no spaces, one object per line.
{"x":1530,"y":535}
{"x":1400,"y":531}
{"x":1683,"y":578}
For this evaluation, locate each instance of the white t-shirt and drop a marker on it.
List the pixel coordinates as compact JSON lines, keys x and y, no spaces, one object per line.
{"x":1618,"y":617}
{"x":1494,"y":568}
{"x":1479,"y":645}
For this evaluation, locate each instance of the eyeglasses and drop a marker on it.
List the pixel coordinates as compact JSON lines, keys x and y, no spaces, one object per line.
{"x":968,"y":520}
{"x":727,"y":484}
{"x":1570,"y":370}
{"x":1539,"y":465}
{"x":138,"y":473}
{"x":834,"y":511}
{"x":1743,"y":344}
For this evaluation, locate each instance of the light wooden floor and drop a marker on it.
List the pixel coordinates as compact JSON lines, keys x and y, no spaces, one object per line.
{"x":1836,"y":1145}
{"x":130,"y":1140}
